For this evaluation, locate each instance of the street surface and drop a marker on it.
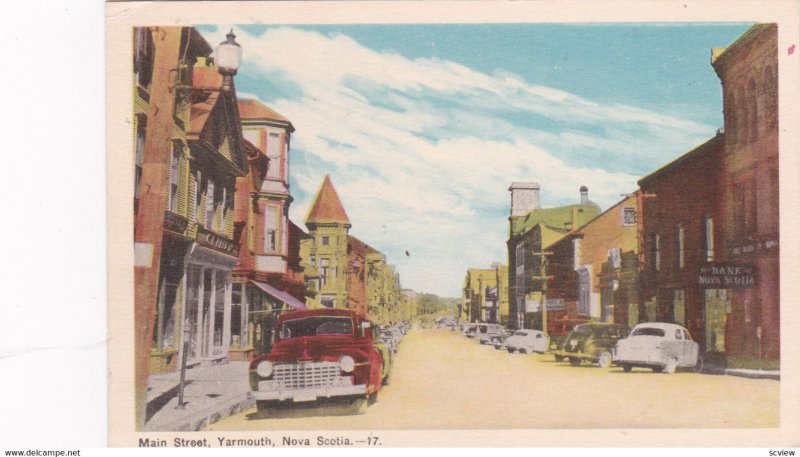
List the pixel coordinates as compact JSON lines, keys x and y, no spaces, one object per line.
{"x":441,"y":380}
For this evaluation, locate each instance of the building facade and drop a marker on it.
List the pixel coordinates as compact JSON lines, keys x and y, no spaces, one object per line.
{"x":269,"y":277}
{"x":594,"y":269}
{"x":189,"y":152}
{"x":531,"y":228}
{"x":748,"y":329}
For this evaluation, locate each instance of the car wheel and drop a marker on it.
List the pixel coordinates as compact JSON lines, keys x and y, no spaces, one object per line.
{"x":385,"y":381}
{"x":671,"y":366}
{"x":559,"y":358}
{"x":523,"y":351}
{"x":605,"y":360}
{"x":510,"y":350}
{"x":626,"y":367}
{"x":574,"y":361}
{"x":657,"y":369}
{"x":497,"y":346}
{"x":698,"y":367}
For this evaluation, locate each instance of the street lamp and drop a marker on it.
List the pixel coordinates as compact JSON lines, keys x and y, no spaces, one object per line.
{"x":228,"y":58}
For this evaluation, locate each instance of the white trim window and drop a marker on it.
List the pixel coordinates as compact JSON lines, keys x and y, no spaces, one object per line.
{"x":174,"y":167}
{"x":274,"y":155}
{"x":209,"y":209}
{"x":271,"y":221}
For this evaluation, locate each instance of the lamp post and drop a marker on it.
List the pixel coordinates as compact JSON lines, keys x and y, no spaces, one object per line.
{"x":228,"y":57}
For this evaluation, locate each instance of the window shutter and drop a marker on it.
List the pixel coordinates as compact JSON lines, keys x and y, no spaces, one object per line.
{"x":183,"y":188}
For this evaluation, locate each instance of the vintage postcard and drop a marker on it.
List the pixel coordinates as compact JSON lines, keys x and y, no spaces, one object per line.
{"x":391,"y":224}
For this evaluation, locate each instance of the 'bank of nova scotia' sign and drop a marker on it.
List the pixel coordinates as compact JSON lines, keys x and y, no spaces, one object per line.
{"x":728,"y":276}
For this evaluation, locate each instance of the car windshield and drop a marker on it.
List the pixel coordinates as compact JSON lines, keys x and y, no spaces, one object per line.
{"x":521,"y":333}
{"x":312,"y":326}
{"x":648,"y":331}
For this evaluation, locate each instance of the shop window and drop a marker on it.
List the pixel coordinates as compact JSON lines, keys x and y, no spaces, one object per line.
{"x":164,"y":336}
{"x":679,"y":306}
{"x":190,"y":319}
{"x":238,"y":326}
{"x":584,"y":291}
{"x":709,"y":239}
{"x":220,"y":289}
{"x":177,"y":151}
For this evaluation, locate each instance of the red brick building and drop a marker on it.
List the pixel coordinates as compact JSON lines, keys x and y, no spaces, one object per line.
{"x":680,"y":236}
{"x":748,"y":71}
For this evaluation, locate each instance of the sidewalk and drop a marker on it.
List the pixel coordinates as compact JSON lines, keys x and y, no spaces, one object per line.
{"x":210,"y":393}
{"x":743,"y":372}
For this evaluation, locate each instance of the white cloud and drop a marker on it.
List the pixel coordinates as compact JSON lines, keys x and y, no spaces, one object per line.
{"x":422,"y":151}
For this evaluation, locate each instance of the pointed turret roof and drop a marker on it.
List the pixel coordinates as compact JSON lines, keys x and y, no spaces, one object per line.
{"x":327,"y":207}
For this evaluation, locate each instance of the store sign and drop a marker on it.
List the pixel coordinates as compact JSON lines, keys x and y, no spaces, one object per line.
{"x":728,"y":276}
{"x":217,"y":242}
{"x":532,"y":306}
{"x":755,"y":246}
{"x":555,"y":304}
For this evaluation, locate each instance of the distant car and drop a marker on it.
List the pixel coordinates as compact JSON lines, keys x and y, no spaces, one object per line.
{"x":526,"y":341}
{"x":388,"y":339}
{"x":469,"y":330}
{"x":591,"y":342}
{"x":485,"y":332}
{"x":498,"y":341}
{"x":659,"y":346}
{"x":558,"y":332}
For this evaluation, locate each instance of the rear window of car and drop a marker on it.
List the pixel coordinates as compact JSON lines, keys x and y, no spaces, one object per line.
{"x":648,"y":331}
{"x":521,"y":333}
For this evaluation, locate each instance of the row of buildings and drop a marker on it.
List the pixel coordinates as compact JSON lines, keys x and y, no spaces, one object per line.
{"x":216,"y":256}
{"x":696,"y":244}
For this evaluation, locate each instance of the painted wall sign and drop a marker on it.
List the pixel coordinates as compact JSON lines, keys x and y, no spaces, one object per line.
{"x":755,"y":246}
{"x":728,"y":276}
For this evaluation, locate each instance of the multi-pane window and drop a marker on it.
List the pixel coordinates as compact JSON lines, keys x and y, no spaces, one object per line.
{"x":679,"y":248}
{"x":177,"y":150}
{"x":628,"y":216}
{"x":141,"y":129}
{"x":325,"y":240}
{"x":654,"y":251}
{"x":270,"y":229}
{"x":209,"y":204}
{"x":679,"y":306}
{"x":274,"y":154}
{"x":709,"y":239}
{"x":324,"y":268}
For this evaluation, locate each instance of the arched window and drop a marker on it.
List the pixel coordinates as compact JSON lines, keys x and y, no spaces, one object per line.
{"x":752,"y":115}
{"x":769,"y":90}
{"x":741,"y":117}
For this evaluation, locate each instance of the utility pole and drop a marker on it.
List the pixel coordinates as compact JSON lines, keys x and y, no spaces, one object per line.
{"x":544,"y":278}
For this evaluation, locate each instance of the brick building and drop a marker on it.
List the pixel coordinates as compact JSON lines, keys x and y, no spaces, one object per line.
{"x":748,"y":71}
{"x":680,"y":238}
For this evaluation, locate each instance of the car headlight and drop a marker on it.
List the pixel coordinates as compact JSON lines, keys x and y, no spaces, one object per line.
{"x":264,"y":369}
{"x":347,"y":364}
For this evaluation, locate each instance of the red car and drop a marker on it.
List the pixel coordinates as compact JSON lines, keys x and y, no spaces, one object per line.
{"x":318,"y":355}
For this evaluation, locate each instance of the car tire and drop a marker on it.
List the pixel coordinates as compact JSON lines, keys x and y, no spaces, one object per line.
{"x":385,"y":381}
{"x":559,"y":358}
{"x":574,"y":361}
{"x":510,"y":350}
{"x":497,"y":346}
{"x":523,"y":351}
{"x":698,"y":367}
{"x":605,"y":360}
{"x":671,"y":366}
{"x":626,"y":367}
{"x":657,"y":369}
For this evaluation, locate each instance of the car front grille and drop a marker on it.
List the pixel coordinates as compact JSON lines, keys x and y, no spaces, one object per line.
{"x":310,"y":374}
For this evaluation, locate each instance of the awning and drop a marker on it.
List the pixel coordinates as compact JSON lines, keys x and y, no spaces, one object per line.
{"x":280,"y":295}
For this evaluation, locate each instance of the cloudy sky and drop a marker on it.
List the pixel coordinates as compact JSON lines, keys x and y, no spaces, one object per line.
{"x":422,"y":128}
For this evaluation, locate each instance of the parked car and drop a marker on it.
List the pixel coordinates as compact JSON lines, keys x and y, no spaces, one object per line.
{"x":485,"y":332}
{"x":592,"y":342}
{"x":526,"y":341}
{"x":388,"y":338}
{"x":498,"y":341}
{"x":658,"y":346}
{"x":558,"y":333}
{"x":319,"y":354}
{"x":469,"y":330}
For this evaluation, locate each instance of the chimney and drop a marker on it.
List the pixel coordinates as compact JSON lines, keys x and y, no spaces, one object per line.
{"x":584,"y":195}
{"x":524,"y":198}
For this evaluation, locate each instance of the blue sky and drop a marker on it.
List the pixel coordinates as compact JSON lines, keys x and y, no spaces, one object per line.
{"x":423,"y":127}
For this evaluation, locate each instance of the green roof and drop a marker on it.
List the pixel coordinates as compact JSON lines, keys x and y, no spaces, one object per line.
{"x":556,"y":218}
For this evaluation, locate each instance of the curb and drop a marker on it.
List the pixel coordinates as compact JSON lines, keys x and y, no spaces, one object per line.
{"x":203,"y":419}
{"x":754,"y":374}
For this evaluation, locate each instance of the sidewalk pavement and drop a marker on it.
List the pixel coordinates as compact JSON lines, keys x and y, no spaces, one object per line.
{"x":743,"y":372}
{"x":211,"y":392}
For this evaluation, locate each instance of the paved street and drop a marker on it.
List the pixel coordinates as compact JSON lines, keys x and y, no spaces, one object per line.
{"x":441,"y":380}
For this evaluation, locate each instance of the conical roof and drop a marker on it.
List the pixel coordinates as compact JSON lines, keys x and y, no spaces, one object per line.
{"x":327,"y":207}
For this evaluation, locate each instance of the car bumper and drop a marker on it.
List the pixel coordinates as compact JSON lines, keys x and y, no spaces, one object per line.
{"x":267,"y":391}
